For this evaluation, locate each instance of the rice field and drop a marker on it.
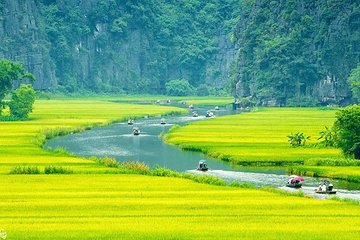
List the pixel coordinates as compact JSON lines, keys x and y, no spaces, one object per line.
{"x":258,"y":137}
{"x":95,"y":202}
{"x":20,"y":141}
{"x":143,"y":207}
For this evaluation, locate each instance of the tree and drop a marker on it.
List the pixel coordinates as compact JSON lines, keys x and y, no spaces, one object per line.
{"x":347,"y":127}
{"x":354,"y":80}
{"x":298,"y":139}
{"x":179,"y":87}
{"x":10,"y":72}
{"x":22,"y":101}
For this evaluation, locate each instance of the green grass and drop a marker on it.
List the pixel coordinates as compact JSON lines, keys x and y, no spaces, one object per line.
{"x":144,"y":207}
{"x":258,"y":137}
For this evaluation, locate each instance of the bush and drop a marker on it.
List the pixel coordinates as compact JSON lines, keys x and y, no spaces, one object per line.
{"x":109,"y":162}
{"x":297,"y":139}
{"x":57,"y":170}
{"x":22,"y":101}
{"x":136,"y":167}
{"x":347,"y":128}
{"x":179,"y":87}
{"x":202,"y":90}
{"x":25,"y":170}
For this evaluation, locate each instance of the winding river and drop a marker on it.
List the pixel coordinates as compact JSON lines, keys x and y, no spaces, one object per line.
{"x":117,"y":141}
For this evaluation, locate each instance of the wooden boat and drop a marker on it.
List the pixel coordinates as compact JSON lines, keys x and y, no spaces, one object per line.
{"x":294,"y":185}
{"x":325,"y":192}
{"x":136,"y":131}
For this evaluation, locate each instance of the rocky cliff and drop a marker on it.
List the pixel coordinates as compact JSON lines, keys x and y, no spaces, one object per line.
{"x":297,"y":52}
{"x":117,"y":46}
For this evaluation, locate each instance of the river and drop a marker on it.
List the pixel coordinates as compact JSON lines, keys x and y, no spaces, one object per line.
{"x":117,"y":141}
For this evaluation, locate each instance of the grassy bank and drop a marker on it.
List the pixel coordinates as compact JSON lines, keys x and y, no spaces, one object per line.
{"x":259,"y":137}
{"x":21,"y":141}
{"x":144,"y":207}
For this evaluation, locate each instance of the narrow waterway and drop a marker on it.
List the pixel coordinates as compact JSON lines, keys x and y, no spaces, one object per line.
{"x":117,"y":141}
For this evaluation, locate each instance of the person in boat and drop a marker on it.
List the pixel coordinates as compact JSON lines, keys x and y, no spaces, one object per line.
{"x":195,"y":114}
{"x":191,"y":106}
{"x":130,"y":122}
{"x":136,"y":131}
{"x":202,"y":166}
{"x":162,"y":121}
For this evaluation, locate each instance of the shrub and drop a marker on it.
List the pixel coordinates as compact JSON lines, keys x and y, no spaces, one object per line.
{"x":136,"y":167}
{"x":179,"y":87}
{"x":25,"y":170}
{"x":57,"y":170}
{"x":22,"y":101}
{"x":110,"y":162}
{"x":347,"y":127}
{"x":297,"y":139}
{"x":328,"y":137}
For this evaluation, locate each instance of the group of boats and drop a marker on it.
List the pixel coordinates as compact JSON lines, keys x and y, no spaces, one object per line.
{"x":325,"y":186}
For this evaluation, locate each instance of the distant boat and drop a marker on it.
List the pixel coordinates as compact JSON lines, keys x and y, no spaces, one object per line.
{"x":209,"y":114}
{"x":325,"y":187}
{"x":194,"y":114}
{"x":294,"y":185}
{"x":130,"y":122}
{"x":136,"y":131}
{"x":191,"y":106}
{"x":162,"y":121}
{"x":217,"y":108}
{"x":202,"y":166}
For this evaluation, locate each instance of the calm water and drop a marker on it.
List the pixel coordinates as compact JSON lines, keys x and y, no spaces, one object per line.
{"x":118,"y":142}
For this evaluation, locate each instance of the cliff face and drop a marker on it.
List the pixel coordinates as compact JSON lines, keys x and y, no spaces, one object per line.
{"x":22,"y":40}
{"x":106,"y":45}
{"x":297,"y":52}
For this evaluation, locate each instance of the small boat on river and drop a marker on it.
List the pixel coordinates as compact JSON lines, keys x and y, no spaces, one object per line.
{"x":209,"y":114}
{"x":136,"y":131}
{"x":202,"y":166}
{"x":130,"y":122}
{"x":217,"y":108}
{"x":325,"y":187}
{"x":295,"y":181}
{"x":162,"y":122}
{"x":194,"y":114}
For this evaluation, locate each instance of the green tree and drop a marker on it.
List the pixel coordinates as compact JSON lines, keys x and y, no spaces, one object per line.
{"x":347,"y":127}
{"x":179,"y":87}
{"x":22,"y":101}
{"x":10,"y":72}
{"x":354,"y":80}
{"x":298,"y":139}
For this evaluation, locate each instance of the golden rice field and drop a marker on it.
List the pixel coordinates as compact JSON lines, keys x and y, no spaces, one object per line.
{"x":143,"y":207}
{"x":257,"y":137}
{"x":95,"y":203}
{"x":19,"y":140}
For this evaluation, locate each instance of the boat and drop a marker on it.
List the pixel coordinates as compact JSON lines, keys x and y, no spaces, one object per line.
{"x":217,"y":108}
{"x":194,"y":114}
{"x":294,"y":185}
{"x":325,"y":187}
{"x":191,"y":106}
{"x":162,"y":121}
{"x":130,"y":122}
{"x":325,"y":192}
{"x":136,"y":131}
{"x":209,"y":114}
{"x":202,"y":166}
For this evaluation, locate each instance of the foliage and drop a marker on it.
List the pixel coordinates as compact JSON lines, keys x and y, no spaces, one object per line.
{"x":347,"y":127}
{"x":354,"y":80}
{"x":297,"y":139}
{"x":179,"y":87}
{"x":9,"y":73}
{"x":57,"y":170}
{"x":22,"y":101}
{"x":327,"y":137}
{"x":25,"y":170}
{"x":286,"y":50}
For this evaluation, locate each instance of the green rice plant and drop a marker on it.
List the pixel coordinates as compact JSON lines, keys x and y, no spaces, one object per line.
{"x":242,"y":185}
{"x":341,"y":161}
{"x":164,"y":172}
{"x":57,"y":170}
{"x":25,"y":170}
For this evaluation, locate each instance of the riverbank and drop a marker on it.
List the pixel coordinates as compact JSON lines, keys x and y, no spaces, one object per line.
{"x":260,"y":138}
